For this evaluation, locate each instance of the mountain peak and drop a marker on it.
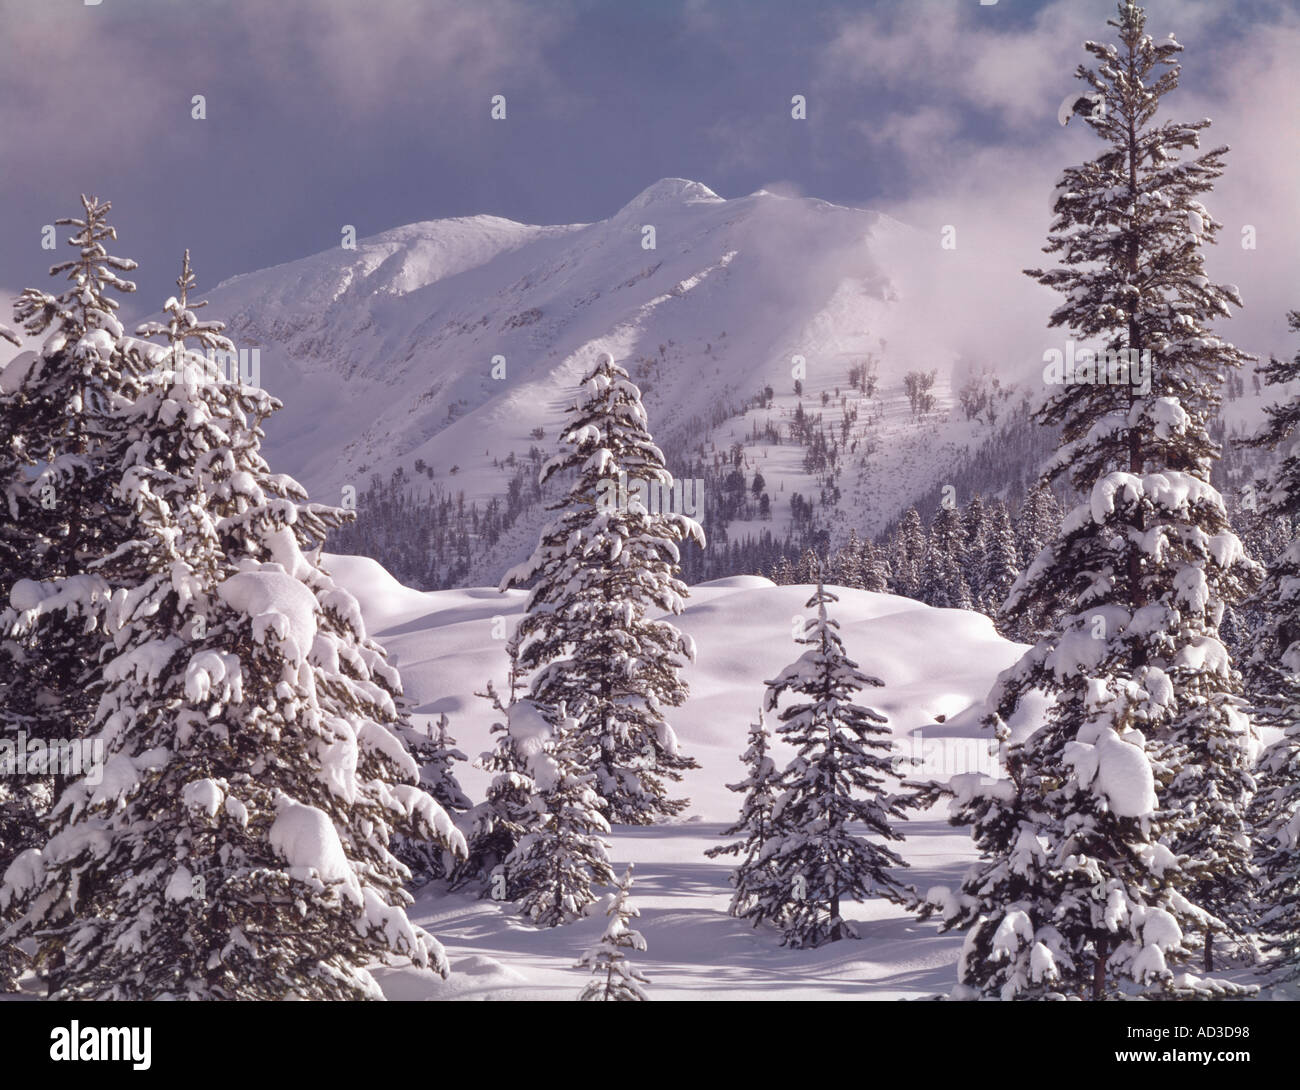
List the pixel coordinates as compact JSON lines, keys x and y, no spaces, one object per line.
{"x":672,"y":191}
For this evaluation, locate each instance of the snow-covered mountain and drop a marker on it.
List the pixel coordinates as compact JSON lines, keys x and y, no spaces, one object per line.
{"x":459,"y":342}
{"x":450,"y":349}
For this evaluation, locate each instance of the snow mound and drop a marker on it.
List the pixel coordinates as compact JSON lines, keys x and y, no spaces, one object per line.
{"x":203,"y":795}
{"x":1114,"y":768}
{"x":310,"y":844}
{"x":387,"y":601}
{"x":277,"y":603}
{"x":448,"y":644}
{"x":739,"y":582}
{"x":481,"y":965}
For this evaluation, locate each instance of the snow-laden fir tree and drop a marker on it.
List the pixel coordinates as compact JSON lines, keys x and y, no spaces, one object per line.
{"x":942,"y":576}
{"x":12,"y":959}
{"x":237,"y":843}
{"x":846,"y":570}
{"x":493,"y":827}
{"x":434,"y":750}
{"x":976,"y":527}
{"x":614,"y":978}
{"x":806,"y":570}
{"x":1274,"y":680}
{"x":1037,"y":523}
{"x":947,"y":536}
{"x":1001,"y":563}
{"x":1072,"y":861}
{"x":757,"y":893}
{"x":839,"y":778}
{"x":607,"y":562}
{"x":560,"y":853}
{"x":875,"y":568}
{"x":782,"y":573}
{"x":947,"y":587}
{"x":1133,"y":220}
{"x":909,"y":555}
{"x":1137,"y":577}
{"x":57,"y":516}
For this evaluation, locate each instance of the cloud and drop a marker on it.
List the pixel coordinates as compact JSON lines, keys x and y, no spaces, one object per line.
{"x":366,"y":54}
{"x":920,"y":137}
{"x":977,"y":57}
{"x":138,"y":65}
{"x":971,"y":126}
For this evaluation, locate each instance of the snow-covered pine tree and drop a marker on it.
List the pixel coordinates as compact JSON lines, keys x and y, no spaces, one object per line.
{"x":434,"y":750}
{"x":757,"y":893}
{"x":1038,"y":522}
{"x":1001,"y":563}
{"x":254,"y":767}
{"x":1273,"y":672}
{"x":908,"y":562}
{"x":955,"y":592}
{"x":837,"y":778}
{"x":947,"y":536}
{"x":1138,"y":576}
{"x":782,"y":573}
{"x":940,"y":573}
{"x":1071,"y":862}
{"x":438,"y":767}
{"x":1183,"y":554}
{"x":875,"y":568}
{"x":12,"y":959}
{"x":605,"y":563}
{"x":560,"y":854}
{"x":847,"y":568}
{"x":615,"y":979}
{"x":975,"y":533}
{"x":495,"y":825}
{"x":806,"y":570}
{"x":56,"y":515}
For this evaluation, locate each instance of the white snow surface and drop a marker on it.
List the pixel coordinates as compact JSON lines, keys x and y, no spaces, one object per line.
{"x":933,"y":662}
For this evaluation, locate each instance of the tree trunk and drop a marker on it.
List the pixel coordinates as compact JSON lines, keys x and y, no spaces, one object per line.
{"x":1136,"y":455}
{"x":1099,"y":972}
{"x":1209,"y":950}
{"x":54,"y":965}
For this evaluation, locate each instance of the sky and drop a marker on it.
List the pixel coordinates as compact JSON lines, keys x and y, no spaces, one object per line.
{"x":376,"y":113}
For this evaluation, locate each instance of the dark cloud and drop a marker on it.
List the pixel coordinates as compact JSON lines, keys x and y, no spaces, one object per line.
{"x":330,"y":112}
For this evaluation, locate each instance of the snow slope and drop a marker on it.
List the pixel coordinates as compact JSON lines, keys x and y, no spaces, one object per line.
{"x":384,"y":354}
{"x":933,"y":662}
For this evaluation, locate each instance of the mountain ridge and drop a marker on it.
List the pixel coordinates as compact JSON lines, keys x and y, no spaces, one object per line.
{"x":386,"y":354}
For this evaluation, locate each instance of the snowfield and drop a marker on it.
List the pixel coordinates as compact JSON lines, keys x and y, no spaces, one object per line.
{"x":934,"y":663}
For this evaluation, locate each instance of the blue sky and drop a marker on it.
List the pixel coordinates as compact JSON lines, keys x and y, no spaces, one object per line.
{"x":329,"y":112}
